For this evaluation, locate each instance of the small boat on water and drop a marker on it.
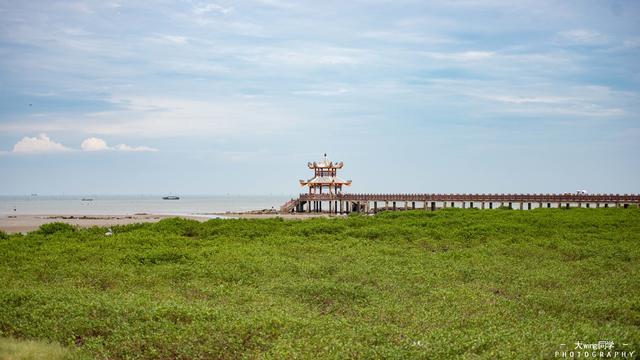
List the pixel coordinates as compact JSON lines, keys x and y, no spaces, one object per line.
{"x":171,"y":197}
{"x":86,"y":199}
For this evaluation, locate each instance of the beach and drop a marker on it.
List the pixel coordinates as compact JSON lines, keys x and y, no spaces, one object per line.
{"x":26,"y":223}
{"x":28,"y":213}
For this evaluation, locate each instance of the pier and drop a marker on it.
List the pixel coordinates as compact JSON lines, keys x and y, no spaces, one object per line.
{"x":373,"y":203}
{"x":325,"y":196}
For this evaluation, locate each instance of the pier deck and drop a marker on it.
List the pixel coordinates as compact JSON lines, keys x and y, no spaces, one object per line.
{"x":371,"y":203}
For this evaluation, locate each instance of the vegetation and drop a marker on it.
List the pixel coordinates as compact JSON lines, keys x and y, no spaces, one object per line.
{"x":416,"y":284}
{"x":11,"y":349}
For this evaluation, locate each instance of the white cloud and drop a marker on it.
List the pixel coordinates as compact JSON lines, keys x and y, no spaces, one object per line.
{"x":125,"y":147}
{"x":328,"y":92}
{"x":94,"y":144}
{"x":97,"y":144}
{"x":460,"y":56}
{"x":169,"y":39}
{"x":213,"y":8}
{"x":583,"y":37}
{"x":40,"y":144}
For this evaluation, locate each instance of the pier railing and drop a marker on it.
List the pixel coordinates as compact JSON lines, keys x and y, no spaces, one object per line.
{"x":571,"y":198}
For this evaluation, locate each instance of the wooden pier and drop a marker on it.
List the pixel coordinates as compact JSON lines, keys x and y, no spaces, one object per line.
{"x":373,"y":203}
{"x":325,"y":195}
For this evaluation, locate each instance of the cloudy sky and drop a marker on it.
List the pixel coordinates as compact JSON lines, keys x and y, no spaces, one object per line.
{"x":198,"y":97}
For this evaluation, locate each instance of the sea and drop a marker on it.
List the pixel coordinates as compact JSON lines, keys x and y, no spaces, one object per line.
{"x":140,"y":204}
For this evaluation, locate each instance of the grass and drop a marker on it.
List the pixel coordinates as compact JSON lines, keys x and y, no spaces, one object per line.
{"x":453,"y":283}
{"x":12,"y":349}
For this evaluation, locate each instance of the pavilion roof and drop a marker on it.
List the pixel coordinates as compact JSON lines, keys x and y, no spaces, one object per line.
{"x":325,"y":164}
{"x":325,"y":180}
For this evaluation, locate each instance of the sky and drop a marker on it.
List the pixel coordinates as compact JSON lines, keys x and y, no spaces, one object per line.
{"x":224,"y":97}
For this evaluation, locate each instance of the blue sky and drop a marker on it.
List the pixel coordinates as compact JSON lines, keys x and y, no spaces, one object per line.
{"x":198,"y":97}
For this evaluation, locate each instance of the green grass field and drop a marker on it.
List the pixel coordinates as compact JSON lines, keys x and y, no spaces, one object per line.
{"x":470,"y":283}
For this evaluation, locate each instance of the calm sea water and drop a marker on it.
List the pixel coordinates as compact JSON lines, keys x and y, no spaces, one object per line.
{"x":128,"y":205}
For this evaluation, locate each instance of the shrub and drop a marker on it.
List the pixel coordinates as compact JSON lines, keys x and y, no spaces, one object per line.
{"x":56,"y":227}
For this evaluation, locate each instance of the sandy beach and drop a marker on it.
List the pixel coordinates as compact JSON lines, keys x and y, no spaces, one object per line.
{"x":26,"y":223}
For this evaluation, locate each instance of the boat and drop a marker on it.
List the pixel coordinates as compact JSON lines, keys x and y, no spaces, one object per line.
{"x":171,"y":197}
{"x":86,"y":199}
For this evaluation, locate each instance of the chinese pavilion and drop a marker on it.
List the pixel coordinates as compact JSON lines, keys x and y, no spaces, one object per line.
{"x":325,"y":180}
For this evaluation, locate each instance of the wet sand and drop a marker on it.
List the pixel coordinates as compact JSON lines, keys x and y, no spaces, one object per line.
{"x":26,"y":223}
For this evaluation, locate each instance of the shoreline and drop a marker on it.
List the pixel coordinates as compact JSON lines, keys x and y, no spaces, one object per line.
{"x":22,"y":223}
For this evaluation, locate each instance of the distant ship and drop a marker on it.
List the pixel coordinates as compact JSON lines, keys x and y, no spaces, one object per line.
{"x":171,"y":198}
{"x":86,"y":199}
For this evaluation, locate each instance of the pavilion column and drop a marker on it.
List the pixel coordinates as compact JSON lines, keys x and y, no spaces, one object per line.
{"x":579,"y":204}
{"x":308,"y":206}
{"x":330,"y":210}
{"x":464,"y":204}
{"x":597,"y":205}
{"x":444,"y":204}
{"x":406,"y":205}
{"x":425,"y":205}
{"x":482,"y":205}
{"x":521,"y":206}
